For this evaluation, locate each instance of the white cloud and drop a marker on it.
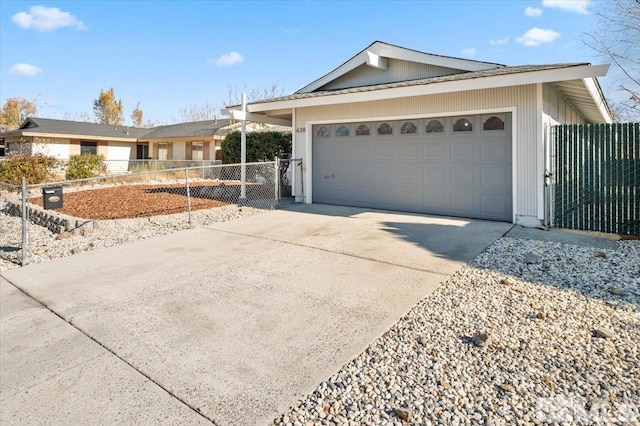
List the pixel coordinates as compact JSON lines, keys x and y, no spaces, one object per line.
{"x":27,"y":70}
{"x":533,"y":12}
{"x":470,"y":51}
{"x":42,"y":18}
{"x":578,"y":6}
{"x":503,"y":40}
{"x":228,"y":59}
{"x":537,"y":36}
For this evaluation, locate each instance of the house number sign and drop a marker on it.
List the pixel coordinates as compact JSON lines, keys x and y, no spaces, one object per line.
{"x":301,"y":130}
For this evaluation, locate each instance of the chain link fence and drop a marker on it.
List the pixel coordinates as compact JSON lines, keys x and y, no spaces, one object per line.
{"x":178,"y":195}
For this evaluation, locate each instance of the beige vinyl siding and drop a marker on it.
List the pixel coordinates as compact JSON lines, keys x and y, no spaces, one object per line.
{"x":521,"y":99}
{"x":397,"y":70}
{"x":557,"y":108}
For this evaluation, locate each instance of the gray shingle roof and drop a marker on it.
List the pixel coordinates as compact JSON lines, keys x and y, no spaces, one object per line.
{"x":500,"y":71}
{"x":65,"y":127}
{"x":196,"y":128}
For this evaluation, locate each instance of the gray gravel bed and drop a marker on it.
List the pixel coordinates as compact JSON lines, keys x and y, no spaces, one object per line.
{"x":44,"y":245}
{"x":530,"y":332}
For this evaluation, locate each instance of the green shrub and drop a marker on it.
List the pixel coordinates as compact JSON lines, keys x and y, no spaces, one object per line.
{"x":261,"y":146}
{"x":85,"y":166}
{"x":36,"y":168}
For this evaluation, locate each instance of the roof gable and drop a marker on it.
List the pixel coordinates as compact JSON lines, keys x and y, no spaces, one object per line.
{"x":392,"y":64}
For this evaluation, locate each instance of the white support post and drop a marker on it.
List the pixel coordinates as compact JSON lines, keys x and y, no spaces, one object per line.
{"x":243,"y":154}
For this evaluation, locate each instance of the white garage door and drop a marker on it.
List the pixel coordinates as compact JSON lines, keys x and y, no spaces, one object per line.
{"x":459,"y":166}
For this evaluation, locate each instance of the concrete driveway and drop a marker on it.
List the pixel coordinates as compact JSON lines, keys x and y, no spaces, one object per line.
{"x":230,"y":323}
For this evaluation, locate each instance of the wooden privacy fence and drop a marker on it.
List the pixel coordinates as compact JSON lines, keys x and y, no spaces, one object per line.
{"x":597,"y":177}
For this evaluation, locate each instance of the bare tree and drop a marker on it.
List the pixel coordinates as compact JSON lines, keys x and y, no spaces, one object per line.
{"x":209,"y":111}
{"x":202,"y":112}
{"x":616,"y":36}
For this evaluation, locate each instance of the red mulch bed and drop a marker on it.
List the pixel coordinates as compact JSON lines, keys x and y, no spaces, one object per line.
{"x":130,"y":201}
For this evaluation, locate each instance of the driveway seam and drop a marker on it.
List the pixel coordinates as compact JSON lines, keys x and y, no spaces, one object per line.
{"x":412,"y":268}
{"x":192,"y":408}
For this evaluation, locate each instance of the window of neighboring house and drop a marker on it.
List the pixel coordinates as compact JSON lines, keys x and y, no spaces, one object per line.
{"x":142,"y":151}
{"x":162,"y":151}
{"x":462,"y":125}
{"x":2,"y":154}
{"x":87,"y":148}
{"x":196,"y":151}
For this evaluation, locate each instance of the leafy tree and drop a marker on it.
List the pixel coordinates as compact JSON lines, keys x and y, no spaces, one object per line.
{"x":137,"y":116}
{"x":616,"y":36}
{"x":261,"y":146}
{"x":107,"y":109}
{"x":16,"y":109}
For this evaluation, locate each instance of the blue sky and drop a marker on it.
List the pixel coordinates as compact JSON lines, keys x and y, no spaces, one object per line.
{"x":172,"y":55}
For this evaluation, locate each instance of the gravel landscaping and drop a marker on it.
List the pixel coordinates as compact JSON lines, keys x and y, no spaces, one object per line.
{"x":44,"y":245}
{"x":530,"y":332}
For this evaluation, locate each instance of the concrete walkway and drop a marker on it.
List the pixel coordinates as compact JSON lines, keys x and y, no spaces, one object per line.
{"x":231,"y":323}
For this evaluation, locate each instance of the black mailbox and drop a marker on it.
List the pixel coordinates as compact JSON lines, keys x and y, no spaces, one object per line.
{"x":52,"y":197}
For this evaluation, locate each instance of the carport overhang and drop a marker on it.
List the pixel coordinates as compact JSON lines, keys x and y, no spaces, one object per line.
{"x":577,"y":83}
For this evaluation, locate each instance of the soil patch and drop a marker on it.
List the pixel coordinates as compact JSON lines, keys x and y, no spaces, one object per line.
{"x":130,"y":201}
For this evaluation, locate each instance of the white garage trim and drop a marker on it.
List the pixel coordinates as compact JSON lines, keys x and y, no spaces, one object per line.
{"x":308,"y":173}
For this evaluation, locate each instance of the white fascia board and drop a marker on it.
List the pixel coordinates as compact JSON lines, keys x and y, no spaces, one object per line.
{"x":350,"y":65}
{"x":533,"y":77}
{"x":258,"y":118}
{"x":376,"y":61}
{"x":395,"y":52}
{"x":84,"y":137}
{"x":598,"y":98}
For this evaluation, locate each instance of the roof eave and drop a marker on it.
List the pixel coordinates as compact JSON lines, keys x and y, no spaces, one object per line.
{"x":75,"y":136}
{"x":488,"y":82}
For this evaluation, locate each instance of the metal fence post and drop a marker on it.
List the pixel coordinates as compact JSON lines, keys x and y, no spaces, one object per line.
{"x":23,"y":261}
{"x":186,"y":174}
{"x":277,"y":182}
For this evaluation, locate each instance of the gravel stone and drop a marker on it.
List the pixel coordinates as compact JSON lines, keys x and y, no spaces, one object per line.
{"x":542,"y":357}
{"x":43,"y":245}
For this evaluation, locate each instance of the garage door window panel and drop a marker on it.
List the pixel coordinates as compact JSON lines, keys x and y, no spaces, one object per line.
{"x":493,"y":123}
{"x":462,"y":125}
{"x":434,"y":127}
{"x":323,"y":132}
{"x":342,"y":131}
{"x":363,"y":130}
{"x":409,"y":128}
{"x":385,"y":129}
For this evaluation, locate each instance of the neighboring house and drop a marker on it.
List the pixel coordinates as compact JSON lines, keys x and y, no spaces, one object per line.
{"x":62,"y":138}
{"x":198,"y":140}
{"x":120,"y":145}
{"x":395,"y":128}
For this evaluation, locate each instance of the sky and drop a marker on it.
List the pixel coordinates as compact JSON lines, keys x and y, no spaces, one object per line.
{"x":171,"y":56}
